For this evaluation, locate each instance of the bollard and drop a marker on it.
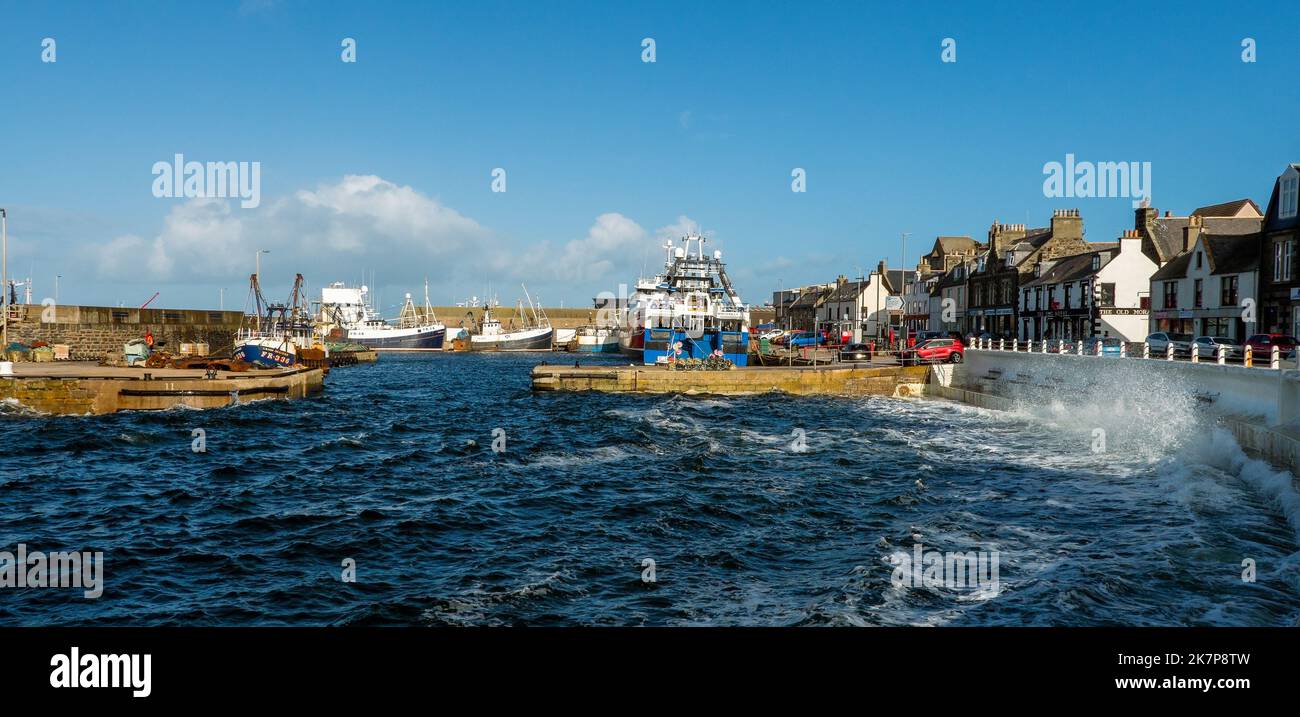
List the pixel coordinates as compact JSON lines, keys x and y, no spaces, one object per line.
{"x":1015,"y":344}
{"x":1196,"y":353}
{"x":1223,"y":354}
{"x":1099,"y":347}
{"x":1248,"y":358}
{"x":1060,"y":346}
{"x":1078,"y":348}
{"x":1001,"y":345}
{"x":1123,"y":349}
{"x":1276,"y":363}
{"x":1146,"y":350}
{"x":1044,"y":349}
{"x":1170,"y":351}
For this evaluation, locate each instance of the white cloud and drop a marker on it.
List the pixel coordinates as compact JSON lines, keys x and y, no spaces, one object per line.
{"x":358,"y":219}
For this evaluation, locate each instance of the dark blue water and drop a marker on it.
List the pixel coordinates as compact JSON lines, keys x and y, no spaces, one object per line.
{"x":393,"y":468}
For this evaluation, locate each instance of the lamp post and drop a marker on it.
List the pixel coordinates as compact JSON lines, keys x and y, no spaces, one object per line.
{"x":56,"y":287}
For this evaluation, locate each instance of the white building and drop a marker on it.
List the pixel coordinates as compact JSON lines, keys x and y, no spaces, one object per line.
{"x":1202,"y":290}
{"x":1104,"y":292}
{"x":861,"y":306}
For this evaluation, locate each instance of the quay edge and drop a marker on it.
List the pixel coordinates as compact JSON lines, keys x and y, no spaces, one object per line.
{"x":63,"y":389}
{"x":800,"y":380}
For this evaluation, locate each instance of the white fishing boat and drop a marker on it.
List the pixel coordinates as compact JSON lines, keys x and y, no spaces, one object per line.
{"x":598,"y":339}
{"x":490,"y":336}
{"x":348,"y":308}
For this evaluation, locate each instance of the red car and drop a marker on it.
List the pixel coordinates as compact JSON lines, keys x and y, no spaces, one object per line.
{"x":935,"y":351}
{"x":1261,"y":345}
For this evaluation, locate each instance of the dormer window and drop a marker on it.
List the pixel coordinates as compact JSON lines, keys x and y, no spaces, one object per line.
{"x":981,"y":264}
{"x":1096,"y":262}
{"x":1038,"y":270}
{"x":1010,"y":258}
{"x":1289,"y":189}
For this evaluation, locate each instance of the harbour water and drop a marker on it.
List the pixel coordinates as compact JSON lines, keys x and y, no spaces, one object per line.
{"x":761,"y":510}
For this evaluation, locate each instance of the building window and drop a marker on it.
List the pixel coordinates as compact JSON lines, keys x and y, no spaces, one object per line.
{"x":1051,"y":298}
{"x":1085,"y":294}
{"x":1067,"y":296}
{"x":1217,"y":327}
{"x":1026,"y":298}
{"x":1196,"y":293}
{"x":1282,"y":260}
{"x":1171,"y":295}
{"x":1198,"y":260}
{"x":1287,"y":208}
{"x":1038,"y":298}
{"x":1228,"y":291}
{"x":1096,"y":262}
{"x":1107,"y":298}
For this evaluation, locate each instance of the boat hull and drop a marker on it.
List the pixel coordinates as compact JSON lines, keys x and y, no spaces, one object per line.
{"x":598,"y":346}
{"x":421,"y":338}
{"x":266,"y":352}
{"x":659,"y":344}
{"x":514,"y":341}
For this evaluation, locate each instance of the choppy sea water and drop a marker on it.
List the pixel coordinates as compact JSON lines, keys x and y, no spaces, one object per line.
{"x":764,"y":510}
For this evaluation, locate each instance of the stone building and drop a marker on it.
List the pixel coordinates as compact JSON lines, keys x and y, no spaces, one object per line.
{"x":1279,"y":290}
{"x":1009,"y":260}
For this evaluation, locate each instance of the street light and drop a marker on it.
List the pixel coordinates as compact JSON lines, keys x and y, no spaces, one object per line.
{"x":56,"y":288}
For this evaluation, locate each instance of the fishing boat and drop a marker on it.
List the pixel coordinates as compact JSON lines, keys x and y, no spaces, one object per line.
{"x":277,"y":335}
{"x":598,"y":339}
{"x":696,"y":312}
{"x":537,"y":334}
{"x":631,"y":320}
{"x":347,"y":310}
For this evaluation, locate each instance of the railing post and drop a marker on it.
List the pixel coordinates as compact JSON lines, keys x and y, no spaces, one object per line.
{"x":1196,"y":353}
{"x":1223,"y":355}
{"x":1078,"y":348}
{"x":1248,"y":358}
{"x":1015,"y":344}
{"x":1099,"y":343}
{"x":1276,"y":363}
{"x":1044,"y":348}
{"x":1170,"y":351}
{"x":1060,"y":346}
{"x":1123,"y":349}
{"x":1001,"y":346}
{"x":1146,"y":349}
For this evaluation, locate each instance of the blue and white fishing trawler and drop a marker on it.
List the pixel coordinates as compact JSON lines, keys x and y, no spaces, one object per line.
{"x":275,"y":334}
{"x":696,"y":312}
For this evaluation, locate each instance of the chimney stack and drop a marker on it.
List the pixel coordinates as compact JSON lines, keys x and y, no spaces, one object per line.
{"x":1067,"y":223}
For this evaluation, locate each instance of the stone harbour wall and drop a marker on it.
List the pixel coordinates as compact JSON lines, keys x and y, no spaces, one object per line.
{"x":93,"y":331}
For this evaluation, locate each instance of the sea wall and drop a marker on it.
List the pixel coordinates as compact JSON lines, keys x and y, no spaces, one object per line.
{"x":93,"y":331}
{"x":1259,"y":406}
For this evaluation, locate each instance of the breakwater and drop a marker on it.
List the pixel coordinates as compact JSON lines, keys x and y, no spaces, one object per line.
{"x":91,"y":332}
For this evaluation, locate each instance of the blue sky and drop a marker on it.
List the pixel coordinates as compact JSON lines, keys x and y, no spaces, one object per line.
{"x":384,"y":165}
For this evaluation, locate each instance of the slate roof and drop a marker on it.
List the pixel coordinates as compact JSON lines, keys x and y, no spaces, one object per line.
{"x":1069,"y":268}
{"x":1227,"y":209}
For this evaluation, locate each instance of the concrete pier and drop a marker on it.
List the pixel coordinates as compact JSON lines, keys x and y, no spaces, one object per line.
{"x":84,"y":388}
{"x":839,"y":380}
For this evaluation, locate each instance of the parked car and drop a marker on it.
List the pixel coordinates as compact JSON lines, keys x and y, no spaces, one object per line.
{"x":934,"y":351}
{"x":1110,"y":346}
{"x":802,"y":339}
{"x":1160,"y":341}
{"x":855,"y":352}
{"x":1261,"y":345}
{"x":1208,"y":348}
{"x":772,"y":335}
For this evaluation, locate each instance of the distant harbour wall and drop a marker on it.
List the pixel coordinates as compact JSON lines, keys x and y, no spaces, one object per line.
{"x":93,"y":331}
